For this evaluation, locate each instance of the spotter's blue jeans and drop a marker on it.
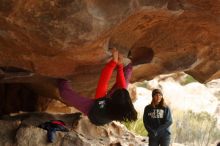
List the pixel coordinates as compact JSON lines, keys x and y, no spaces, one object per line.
{"x":163,"y":140}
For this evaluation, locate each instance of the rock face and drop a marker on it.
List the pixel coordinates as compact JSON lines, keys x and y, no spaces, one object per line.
{"x":43,"y":40}
{"x":23,"y":130}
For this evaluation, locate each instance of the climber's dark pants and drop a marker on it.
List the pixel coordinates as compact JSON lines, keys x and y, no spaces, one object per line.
{"x":159,"y":140}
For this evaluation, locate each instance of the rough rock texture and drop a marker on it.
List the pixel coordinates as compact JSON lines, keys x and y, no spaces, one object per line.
{"x":22,"y":130}
{"x":43,"y":40}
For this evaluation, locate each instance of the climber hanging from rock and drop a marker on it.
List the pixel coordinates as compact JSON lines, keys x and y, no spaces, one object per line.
{"x":106,"y":106}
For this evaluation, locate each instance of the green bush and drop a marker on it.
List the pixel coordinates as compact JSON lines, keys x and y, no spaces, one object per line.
{"x":193,"y":128}
{"x":142,"y":84}
{"x":136,"y":127}
{"x":188,"y":79}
